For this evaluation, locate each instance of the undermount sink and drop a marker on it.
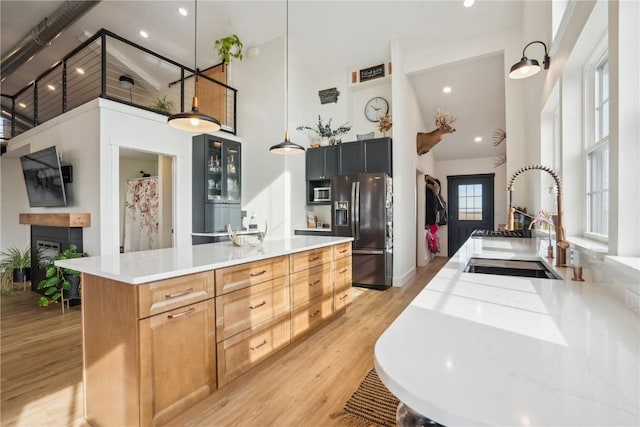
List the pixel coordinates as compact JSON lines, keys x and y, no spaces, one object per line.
{"x":509,"y":267}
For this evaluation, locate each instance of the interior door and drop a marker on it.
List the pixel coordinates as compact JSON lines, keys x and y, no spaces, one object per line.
{"x":470,"y":207}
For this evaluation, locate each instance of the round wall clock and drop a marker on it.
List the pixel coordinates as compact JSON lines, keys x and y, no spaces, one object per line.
{"x":376,"y":108}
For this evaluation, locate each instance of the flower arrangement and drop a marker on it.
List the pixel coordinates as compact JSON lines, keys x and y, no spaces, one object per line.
{"x":544,"y":218}
{"x":324,"y":130}
{"x":385,"y":123}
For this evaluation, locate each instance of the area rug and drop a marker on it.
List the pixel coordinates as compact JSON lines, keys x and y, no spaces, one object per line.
{"x":371,"y":404}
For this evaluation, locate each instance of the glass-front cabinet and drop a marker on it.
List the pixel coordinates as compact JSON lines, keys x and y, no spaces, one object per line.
{"x":216,"y":189}
{"x":223,"y":170}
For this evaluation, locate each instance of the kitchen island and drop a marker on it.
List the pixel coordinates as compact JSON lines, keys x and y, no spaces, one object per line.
{"x":163,"y":329}
{"x":481,"y":349}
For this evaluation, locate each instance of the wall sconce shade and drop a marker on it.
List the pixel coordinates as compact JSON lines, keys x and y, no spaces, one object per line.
{"x":126,"y":82}
{"x":194,"y":121}
{"x":528,"y":67}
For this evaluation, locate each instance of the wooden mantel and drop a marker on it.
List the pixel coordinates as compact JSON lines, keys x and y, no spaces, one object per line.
{"x":72,"y":219}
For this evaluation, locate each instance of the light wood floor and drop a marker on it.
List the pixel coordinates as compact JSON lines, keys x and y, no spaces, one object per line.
{"x":41,"y":364}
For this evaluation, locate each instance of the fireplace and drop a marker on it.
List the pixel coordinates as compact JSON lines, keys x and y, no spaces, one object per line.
{"x":52,"y":234}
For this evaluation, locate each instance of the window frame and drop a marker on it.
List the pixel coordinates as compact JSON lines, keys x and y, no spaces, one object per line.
{"x":591,"y":144}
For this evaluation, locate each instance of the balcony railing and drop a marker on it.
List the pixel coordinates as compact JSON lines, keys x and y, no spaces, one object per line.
{"x":96,"y":69}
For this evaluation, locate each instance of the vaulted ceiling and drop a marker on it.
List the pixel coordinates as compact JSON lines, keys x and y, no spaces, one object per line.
{"x":352,"y":33}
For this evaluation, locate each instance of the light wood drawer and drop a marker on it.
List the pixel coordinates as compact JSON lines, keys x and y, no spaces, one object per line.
{"x":312,"y":283}
{"x":343,"y":272}
{"x":165,"y":295}
{"x":239,"y":353}
{"x":244,"y":275}
{"x":304,"y":320}
{"x":342,"y":250}
{"x":240,"y":310}
{"x":307,"y":259}
{"x":342,"y":298}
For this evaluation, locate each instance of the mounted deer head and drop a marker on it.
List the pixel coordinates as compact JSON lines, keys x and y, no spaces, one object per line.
{"x":426,"y":141}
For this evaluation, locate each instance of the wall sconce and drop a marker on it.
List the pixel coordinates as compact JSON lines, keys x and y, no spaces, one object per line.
{"x":528,"y":67}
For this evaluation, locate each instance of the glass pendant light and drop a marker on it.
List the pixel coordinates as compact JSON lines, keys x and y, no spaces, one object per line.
{"x":194,"y":121}
{"x":286,"y":146}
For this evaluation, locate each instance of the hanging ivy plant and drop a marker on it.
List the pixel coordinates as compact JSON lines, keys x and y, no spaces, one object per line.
{"x":229,"y":47}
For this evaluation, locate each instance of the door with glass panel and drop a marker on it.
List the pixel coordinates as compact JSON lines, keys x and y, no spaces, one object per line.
{"x":470,"y":207}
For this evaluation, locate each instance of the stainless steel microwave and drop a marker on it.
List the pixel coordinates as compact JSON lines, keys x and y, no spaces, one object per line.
{"x":322,"y":194}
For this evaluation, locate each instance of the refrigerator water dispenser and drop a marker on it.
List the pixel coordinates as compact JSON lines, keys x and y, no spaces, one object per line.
{"x":341,"y":213}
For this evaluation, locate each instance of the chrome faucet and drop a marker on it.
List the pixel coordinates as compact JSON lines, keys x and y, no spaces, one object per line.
{"x":561,"y":243}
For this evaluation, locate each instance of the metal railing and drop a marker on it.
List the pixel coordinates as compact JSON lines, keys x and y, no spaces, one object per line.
{"x":111,"y":67}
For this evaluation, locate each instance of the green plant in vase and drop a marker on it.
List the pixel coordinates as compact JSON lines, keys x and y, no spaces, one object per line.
{"x":60,"y":279}
{"x":14,"y":263}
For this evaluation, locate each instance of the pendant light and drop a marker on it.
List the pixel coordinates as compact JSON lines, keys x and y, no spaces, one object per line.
{"x":286,"y":146}
{"x":194,"y":121}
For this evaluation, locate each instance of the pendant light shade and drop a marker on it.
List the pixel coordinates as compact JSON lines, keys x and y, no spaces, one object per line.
{"x":286,"y":146}
{"x":194,"y":120}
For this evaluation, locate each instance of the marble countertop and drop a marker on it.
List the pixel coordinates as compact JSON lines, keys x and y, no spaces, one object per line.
{"x":148,"y":266}
{"x":480,"y":349}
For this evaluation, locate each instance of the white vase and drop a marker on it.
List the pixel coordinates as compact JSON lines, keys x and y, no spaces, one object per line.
{"x":324,"y":141}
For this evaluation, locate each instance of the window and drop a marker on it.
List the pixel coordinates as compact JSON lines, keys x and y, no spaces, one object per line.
{"x":470,"y":202}
{"x":597,"y":150}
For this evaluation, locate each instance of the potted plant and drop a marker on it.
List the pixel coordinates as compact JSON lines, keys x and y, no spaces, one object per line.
{"x":59,"y":281}
{"x":162,"y":105}
{"x":14,"y":263}
{"x":229,"y":47}
{"x":324,"y":131}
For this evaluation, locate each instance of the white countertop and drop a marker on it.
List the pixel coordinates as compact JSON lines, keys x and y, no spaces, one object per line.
{"x":148,"y":266}
{"x":479,"y":349}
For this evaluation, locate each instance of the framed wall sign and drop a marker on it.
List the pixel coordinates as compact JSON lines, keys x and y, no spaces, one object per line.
{"x":371,"y":72}
{"x":328,"y":95}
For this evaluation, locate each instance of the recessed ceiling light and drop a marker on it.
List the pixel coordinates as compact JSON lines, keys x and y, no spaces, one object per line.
{"x":468,"y":3}
{"x":51,"y":87}
{"x":22,"y":104}
{"x":446,"y":89}
{"x":182,"y":11}
{"x":478,"y":139}
{"x":144,"y":34}
{"x":80,"y":70}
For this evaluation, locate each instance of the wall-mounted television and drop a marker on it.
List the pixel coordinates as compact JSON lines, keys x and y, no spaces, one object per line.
{"x":43,"y":176}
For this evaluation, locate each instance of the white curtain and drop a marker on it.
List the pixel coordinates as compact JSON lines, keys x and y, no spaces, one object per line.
{"x":141,"y":215}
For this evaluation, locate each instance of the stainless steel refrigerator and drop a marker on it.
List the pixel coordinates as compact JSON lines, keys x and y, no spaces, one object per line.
{"x":362,"y":208}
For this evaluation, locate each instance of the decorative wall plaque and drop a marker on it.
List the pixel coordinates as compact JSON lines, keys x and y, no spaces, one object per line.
{"x":371,"y":72}
{"x":328,"y":95}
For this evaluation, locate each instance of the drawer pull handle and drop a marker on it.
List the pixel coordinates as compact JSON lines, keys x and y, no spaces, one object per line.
{"x":314,"y":314}
{"x":315,"y":258}
{"x":178,"y":294}
{"x":343,"y":251}
{"x":184,"y":313}
{"x":344,"y":271}
{"x":314,"y":283}
{"x":343,"y":297}
{"x":259,"y":345}
{"x":259,"y":273}
{"x":253,"y":307}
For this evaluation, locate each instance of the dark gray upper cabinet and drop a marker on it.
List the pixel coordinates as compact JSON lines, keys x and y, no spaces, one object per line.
{"x":322,"y":163}
{"x":377,"y":156}
{"x":368,"y":156}
{"x":350,"y":158}
{"x":216,"y":180}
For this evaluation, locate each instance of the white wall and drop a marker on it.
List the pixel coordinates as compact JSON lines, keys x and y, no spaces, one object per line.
{"x":448,"y":168}
{"x":260,"y":111}
{"x":76,"y":134}
{"x":122,"y":126}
